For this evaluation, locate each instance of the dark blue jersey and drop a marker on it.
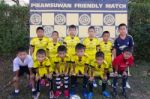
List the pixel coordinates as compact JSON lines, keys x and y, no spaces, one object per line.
{"x":120,"y":44}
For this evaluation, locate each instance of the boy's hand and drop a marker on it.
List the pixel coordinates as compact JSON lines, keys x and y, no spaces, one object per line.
{"x":115,"y":74}
{"x":57,"y":74}
{"x":91,"y":78}
{"x":105,"y":78}
{"x":124,"y":73}
{"x":38,"y":77}
{"x":49,"y":76}
{"x":31,"y":76}
{"x":16,"y":78}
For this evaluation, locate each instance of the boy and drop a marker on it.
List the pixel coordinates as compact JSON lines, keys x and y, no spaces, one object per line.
{"x":52,"y":46}
{"x":99,"y":69}
{"x":71,"y":40}
{"x":120,"y":65}
{"x":61,"y":64}
{"x":39,"y":42}
{"x":23,"y":63}
{"x":106,"y":47}
{"x":42,"y":67}
{"x":91,"y":43}
{"x":122,"y":41}
{"x":80,"y":64}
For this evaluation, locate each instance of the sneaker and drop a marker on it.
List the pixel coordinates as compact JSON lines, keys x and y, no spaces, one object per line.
{"x":66,"y":93}
{"x":128,"y":86}
{"x":100,"y":82}
{"x":57,"y":94}
{"x":37,"y":95}
{"x":94,"y":84}
{"x":90,"y":95}
{"x":51,"y":94}
{"x":106,"y":94}
{"x":34,"y":93}
{"x":124,"y":94}
{"x":15,"y":93}
{"x":84,"y":93}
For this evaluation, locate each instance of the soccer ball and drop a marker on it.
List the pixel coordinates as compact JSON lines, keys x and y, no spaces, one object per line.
{"x":75,"y":97}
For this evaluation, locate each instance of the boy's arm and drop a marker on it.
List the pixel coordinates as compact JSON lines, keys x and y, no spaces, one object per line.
{"x":57,"y":67}
{"x":66,"y":68}
{"x":98,"y":47}
{"x":85,"y":69}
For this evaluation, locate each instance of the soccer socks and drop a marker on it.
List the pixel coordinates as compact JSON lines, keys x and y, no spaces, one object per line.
{"x":58,"y":82}
{"x":124,"y":80}
{"x":66,"y":82}
{"x":38,"y":86}
{"x":104,"y":84}
{"x":115,"y":85}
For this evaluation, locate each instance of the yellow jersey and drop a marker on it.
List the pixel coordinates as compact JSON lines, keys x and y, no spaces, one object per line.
{"x":42,"y":66}
{"x":99,"y":70}
{"x":52,"y":49}
{"x":62,"y":63}
{"x":71,"y":43}
{"x":106,"y":48}
{"x":91,"y":47}
{"x":39,"y":44}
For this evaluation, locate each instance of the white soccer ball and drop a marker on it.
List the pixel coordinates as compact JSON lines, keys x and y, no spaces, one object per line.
{"x":75,"y":97}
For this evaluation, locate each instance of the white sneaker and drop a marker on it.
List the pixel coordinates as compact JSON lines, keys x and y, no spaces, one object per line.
{"x":94,"y":84}
{"x":128,"y":86}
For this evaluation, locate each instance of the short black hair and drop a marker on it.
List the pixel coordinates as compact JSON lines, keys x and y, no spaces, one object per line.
{"x":39,"y":28}
{"x":21,"y":49}
{"x":79,"y":46}
{"x":41,"y":51}
{"x":127,"y":49}
{"x":62,"y":48}
{"x":99,"y":54}
{"x":55,"y":32}
{"x":91,"y":27}
{"x":122,"y":24}
{"x":105,"y":32}
{"x":72,"y":26}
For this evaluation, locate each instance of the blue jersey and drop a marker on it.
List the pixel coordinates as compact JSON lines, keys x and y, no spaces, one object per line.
{"x":120,"y":44}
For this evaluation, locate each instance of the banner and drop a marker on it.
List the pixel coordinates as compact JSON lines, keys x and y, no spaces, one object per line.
{"x":59,"y":14}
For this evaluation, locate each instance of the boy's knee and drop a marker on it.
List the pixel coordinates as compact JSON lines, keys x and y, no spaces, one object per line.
{"x":16,"y":78}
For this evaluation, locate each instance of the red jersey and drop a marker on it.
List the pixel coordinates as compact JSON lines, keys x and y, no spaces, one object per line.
{"x":122,"y":63}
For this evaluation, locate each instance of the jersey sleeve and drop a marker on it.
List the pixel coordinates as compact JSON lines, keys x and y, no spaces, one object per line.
{"x":47,"y":63}
{"x":35,"y":64}
{"x":15,"y":65}
{"x":32,"y":42}
{"x":131,"y":61}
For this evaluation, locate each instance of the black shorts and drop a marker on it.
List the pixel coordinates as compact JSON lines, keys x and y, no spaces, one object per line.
{"x":23,"y":70}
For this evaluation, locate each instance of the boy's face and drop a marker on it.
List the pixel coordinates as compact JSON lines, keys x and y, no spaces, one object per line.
{"x":106,"y":36}
{"x":91,"y":32}
{"x":61,"y":54}
{"x":80,"y":52}
{"x":41,"y":57}
{"x":55,"y":35}
{"x":99,"y":60}
{"x":40,"y":33}
{"x":72,"y":31}
{"x":127,"y":55}
{"x":123,"y":30}
{"x":22,"y":55}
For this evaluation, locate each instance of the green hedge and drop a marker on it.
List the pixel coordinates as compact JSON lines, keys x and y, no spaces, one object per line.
{"x":14,"y":28}
{"x":139,"y":28}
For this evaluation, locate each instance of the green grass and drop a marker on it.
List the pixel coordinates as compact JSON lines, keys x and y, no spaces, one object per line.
{"x":139,"y":82}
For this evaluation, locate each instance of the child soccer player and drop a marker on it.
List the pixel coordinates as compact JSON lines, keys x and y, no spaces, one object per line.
{"x":79,"y":67}
{"x":23,"y":63}
{"x":52,"y":46}
{"x":42,"y":66}
{"x":91,"y":43}
{"x":71,"y":40}
{"x":39,"y":42}
{"x":120,"y":65}
{"x":61,"y":61}
{"x":99,"y":69}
